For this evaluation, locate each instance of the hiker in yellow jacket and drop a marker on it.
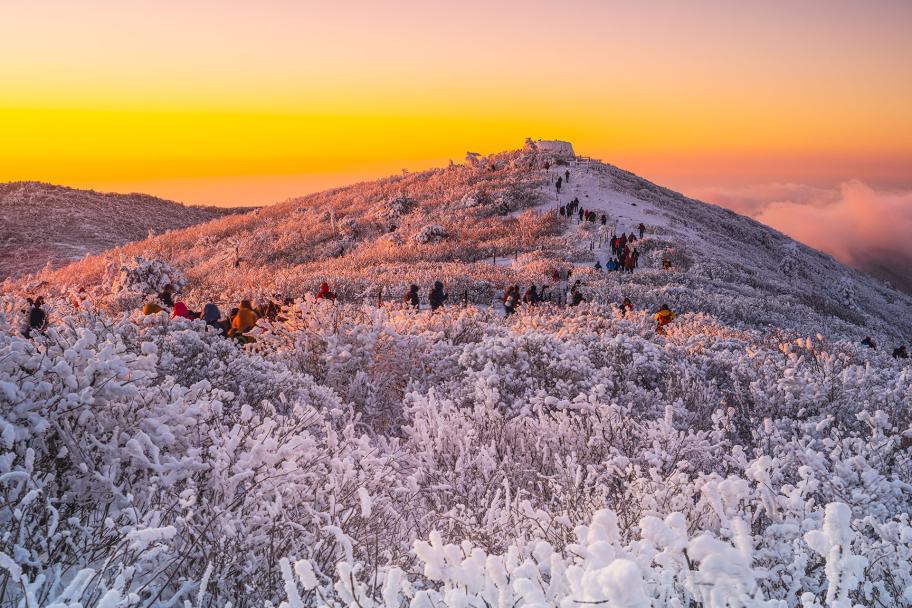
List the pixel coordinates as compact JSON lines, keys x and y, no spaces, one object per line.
{"x":663,"y":318}
{"x":244,"y":320}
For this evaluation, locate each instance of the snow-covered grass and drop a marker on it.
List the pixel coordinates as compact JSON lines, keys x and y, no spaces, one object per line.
{"x":396,"y":458}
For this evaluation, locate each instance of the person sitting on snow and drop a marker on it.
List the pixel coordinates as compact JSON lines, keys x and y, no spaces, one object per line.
{"x":151,"y":308}
{"x":181,"y":310}
{"x":211,"y":315}
{"x":36,"y":317}
{"x":511,"y":299}
{"x":325,"y":293}
{"x":626,"y":307}
{"x":243,"y":321}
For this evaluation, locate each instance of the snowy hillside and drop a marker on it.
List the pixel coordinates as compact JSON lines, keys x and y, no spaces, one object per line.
{"x":499,"y":226}
{"x":362,"y":453}
{"x":44,"y":224}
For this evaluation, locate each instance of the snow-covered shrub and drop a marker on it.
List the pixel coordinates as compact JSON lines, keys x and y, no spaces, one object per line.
{"x":144,"y":276}
{"x":788,"y":265}
{"x":844,"y":292}
{"x":336,"y":248}
{"x":475,"y":198}
{"x":365,"y":453}
{"x":431,"y":233}
{"x":570,"y":448}
{"x":393,"y":238}
{"x":396,"y":207}
{"x":348,"y":227}
{"x":132,"y":280}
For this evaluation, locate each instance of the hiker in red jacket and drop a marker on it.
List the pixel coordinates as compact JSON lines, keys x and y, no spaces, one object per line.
{"x":325,"y":293}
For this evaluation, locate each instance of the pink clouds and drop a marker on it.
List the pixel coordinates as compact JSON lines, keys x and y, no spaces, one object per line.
{"x":855,"y":223}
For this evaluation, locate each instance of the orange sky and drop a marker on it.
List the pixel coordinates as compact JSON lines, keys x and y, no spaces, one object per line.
{"x":242,"y":103}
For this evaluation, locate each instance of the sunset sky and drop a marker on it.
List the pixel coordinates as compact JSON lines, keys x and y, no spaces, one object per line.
{"x":253,"y":102}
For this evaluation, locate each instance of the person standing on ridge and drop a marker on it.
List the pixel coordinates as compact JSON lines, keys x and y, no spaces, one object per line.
{"x":511,"y":299}
{"x":558,"y":183}
{"x":576,"y":294}
{"x":437,"y":297}
{"x":567,"y":176}
{"x":411,"y":297}
{"x":642,"y":229}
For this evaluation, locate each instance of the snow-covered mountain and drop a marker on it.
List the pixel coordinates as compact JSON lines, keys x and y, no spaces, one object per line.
{"x":493,"y":222}
{"x":362,"y":453}
{"x":43,"y":223}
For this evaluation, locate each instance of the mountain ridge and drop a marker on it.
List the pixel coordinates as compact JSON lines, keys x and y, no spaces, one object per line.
{"x":50,"y":223}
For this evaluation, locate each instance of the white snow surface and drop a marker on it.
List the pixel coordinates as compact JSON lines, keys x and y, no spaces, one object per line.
{"x":369,"y":455}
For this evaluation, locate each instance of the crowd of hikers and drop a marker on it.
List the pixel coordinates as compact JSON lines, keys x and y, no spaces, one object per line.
{"x":625,"y":256}
{"x":239,"y":321}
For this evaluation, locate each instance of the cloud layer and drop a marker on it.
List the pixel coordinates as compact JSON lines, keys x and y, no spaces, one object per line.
{"x":867,"y":228}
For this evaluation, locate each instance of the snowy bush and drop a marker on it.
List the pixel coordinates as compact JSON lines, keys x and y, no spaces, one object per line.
{"x":431,"y":233}
{"x":845,"y":292}
{"x":475,"y":198}
{"x":563,"y":456}
{"x":133,"y":280}
{"x":396,"y":207}
{"x":142,"y":276}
